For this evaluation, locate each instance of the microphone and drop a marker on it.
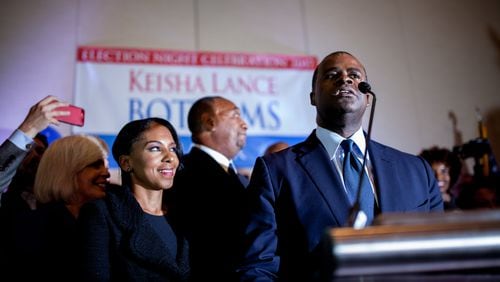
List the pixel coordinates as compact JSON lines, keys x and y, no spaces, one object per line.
{"x":365,"y":88}
{"x":357,"y":218}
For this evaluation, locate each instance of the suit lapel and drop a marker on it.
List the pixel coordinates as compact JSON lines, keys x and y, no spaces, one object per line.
{"x":390,"y":189}
{"x":244,"y":181}
{"x":322,"y":172}
{"x":206,"y":159}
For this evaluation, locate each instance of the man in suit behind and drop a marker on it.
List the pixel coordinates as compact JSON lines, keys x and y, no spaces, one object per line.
{"x":296,"y":194}
{"x":208,"y":192}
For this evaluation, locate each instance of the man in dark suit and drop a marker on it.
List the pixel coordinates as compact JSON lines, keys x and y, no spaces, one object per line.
{"x":296,"y":194}
{"x":208,"y":191}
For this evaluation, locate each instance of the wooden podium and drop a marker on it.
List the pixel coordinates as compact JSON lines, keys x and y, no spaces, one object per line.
{"x":451,"y":246}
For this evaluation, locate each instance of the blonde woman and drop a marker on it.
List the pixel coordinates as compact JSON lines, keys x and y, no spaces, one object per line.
{"x":72,"y":171}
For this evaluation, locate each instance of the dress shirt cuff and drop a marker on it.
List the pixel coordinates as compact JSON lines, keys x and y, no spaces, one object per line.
{"x":21,"y":140}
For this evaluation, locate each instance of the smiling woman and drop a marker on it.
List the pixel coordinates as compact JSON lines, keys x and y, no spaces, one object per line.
{"x":72,"y":171}
{"x":128,"y":235}
{"x":446,"y":166}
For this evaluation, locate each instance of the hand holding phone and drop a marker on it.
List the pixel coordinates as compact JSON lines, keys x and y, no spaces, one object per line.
{"x":76,"y":115}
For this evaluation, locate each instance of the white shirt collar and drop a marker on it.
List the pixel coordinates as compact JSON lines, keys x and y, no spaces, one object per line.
{"x":218,"y":157}
{"x":331,"y":140}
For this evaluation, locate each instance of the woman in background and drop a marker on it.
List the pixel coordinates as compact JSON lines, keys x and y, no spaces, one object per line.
{"x":128,"y":235}
{"x":446,"y":167}
{"x":40,"y":244}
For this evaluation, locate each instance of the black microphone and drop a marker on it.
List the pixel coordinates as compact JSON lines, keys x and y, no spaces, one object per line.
{"x":355,"y":219}
{"x":365,"y":88}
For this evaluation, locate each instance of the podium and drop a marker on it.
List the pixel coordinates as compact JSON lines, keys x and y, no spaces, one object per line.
{"x":450,"y":246}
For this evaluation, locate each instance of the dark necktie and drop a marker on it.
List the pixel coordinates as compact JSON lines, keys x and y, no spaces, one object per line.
{"x":351,"y":169}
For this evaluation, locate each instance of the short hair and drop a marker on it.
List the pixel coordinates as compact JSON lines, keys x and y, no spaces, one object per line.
{"x":132,"y":132}
{"x":64,"y":158}
{"x":194,"y":119}
{"x":336,"y":53}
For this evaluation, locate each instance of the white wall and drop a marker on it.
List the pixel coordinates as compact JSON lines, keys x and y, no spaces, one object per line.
{"x":424,"y":58}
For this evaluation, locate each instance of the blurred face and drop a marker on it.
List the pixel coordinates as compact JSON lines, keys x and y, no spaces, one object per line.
{"x":442,"y":173}
{"x":230,"y":130}
{"x":336,"y":90}
{"x":153,"y":159}
{"x":92,"y":180}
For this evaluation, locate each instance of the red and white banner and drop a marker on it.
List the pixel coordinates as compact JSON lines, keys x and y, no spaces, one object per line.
{"x":117,"y":85}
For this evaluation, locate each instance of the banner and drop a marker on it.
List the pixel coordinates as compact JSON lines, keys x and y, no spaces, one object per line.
{"x":117,"y":85}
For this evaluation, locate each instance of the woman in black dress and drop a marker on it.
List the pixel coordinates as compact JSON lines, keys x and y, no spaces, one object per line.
{"x":128,"y":236}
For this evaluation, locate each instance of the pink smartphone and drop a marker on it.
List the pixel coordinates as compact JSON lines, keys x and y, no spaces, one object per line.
{"x":76,"y":116}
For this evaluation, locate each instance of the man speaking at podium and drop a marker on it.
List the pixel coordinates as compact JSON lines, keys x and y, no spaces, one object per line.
{"x":296,"y":194}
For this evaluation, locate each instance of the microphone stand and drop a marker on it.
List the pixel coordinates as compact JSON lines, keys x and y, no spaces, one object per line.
{"x":357,"y":219}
